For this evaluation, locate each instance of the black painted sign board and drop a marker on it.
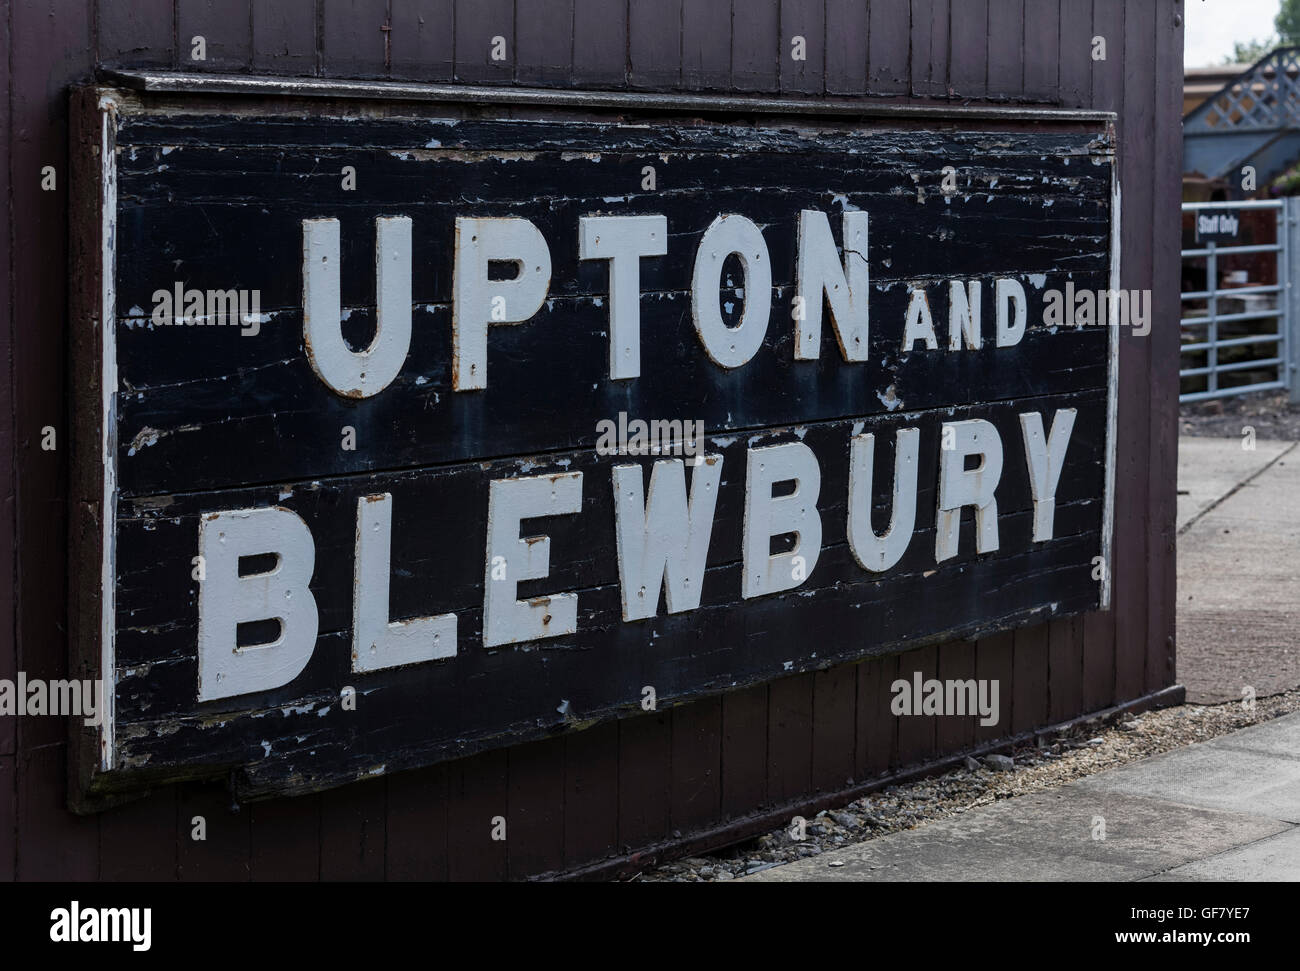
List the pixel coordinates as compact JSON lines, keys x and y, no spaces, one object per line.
{"x":402,"y":436}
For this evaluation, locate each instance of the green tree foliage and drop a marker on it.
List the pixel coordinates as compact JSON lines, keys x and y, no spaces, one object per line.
{"x":1250,"y":51}
{"x":1287,"y":22}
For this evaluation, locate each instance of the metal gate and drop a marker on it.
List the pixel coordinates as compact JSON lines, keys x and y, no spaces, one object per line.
{"x":1238,"y":338}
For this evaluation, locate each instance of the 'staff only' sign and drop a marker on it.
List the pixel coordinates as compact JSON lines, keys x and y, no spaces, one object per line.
{"x":412,"y":436}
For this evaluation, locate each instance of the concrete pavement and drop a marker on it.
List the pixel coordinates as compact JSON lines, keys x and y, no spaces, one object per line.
{"x":1221,"y":810}
{"x":1238,"y":568}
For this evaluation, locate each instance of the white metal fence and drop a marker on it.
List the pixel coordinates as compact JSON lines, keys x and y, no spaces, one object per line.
{"x":1232,"y":319}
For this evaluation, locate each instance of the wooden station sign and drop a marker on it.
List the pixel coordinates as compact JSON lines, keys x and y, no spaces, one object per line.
{"x":403,"y":436}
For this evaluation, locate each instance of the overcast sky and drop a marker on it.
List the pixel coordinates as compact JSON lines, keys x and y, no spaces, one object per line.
{"x":1213,"y":26}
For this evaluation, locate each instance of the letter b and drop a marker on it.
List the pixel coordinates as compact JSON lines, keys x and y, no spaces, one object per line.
{"x":228,"y":599}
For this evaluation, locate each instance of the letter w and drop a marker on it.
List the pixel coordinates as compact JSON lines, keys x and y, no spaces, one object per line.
{"x":663,"y":542}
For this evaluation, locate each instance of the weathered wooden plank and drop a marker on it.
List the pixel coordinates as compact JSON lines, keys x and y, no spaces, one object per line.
{"x":744,"y":750}
{"x":135,"y":33}
{"x":994,"y":662}
{"x":1133,"y":456}
{"x":789,"y":738}
{"x":645,"y":759}
{"x":1065,"y":669}
{"x":154,"y":685}
{"x":51,"y":47}
{"x":803,"y":46}
{"x":158,"y":686}
{"x":1042,"y":34}
{"x":8,"y":818}
{"x":284,"y":38}
{"x":1098,"y":661}
{"x":1029,"y":702}
{"x":591,"y":773}
{"x":415,"y":828}
{"x":956,"y":663}
{"x":485,"y":40}
{"x":695,"y":794}
{"x":834,"y":727}
{"x":1006,"y":47}
{"x":354,"y":41}
{"x":917,"y":731}
{"x":846,"y":46}
{"x":52,"y":843}
{"x":889,"y":42}
{"x":212,"y":835}
{"x":478,"y":818}
{"x":421,"y":40}
{"x":706,"y":62}
{"x":1108,"y":24}
{"x":140,"y":840}
{"x":544,"y":30}
{"x":1076,"y":65}
{"x":279,"y":398}
{"x":535,"y":841}
{"x":968,"y":70}
{"x":1101,"y":644}
{"x":599,"y":43}
{"x":285,"y":839}
{"x":353,"y":843}
{"x":930,"y":48}
{"x":877,"y":747}
{"x":1166,"y":277}
{"x":8,"y":453}
{"x":214,"y":35}
{"x":756,"y":47}
{"x":654,"y":37}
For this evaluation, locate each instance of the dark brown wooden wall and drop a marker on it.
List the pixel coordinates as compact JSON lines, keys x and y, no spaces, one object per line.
{"x":619,"y":787}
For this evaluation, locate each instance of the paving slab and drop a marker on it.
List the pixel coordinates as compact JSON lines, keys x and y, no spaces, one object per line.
{"x":1213,"y":777}
{"x":1271,"y":860}
{"x":1239,"y":570}
{"x":1228,"y":808}
{"x":1210,"y":468}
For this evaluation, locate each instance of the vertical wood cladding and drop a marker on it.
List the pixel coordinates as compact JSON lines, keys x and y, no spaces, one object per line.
{"x":774,"y":741}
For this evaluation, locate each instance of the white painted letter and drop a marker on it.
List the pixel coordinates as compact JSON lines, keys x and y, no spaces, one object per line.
{"x":376,"y":643}
{"x":1045,"y":460}
{"x":662,"y":538}
{"x":507,"y":620}
{"x":623,"y":240}
{"x":920,"y":324}
{"x":227,"y":600}
{"x":731,"y":346}
{"x":964,"y":315}
{"x":767,"y":516}
{"x":1010,"y":292}
{"x":879,"y":553}
{"x":846,"y":287}
{"x":959,"y":488}
{"x":351,"y":373}
{"x":478,"y":242}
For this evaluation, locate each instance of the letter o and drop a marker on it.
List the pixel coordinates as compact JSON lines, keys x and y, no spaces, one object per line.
{"x":731,"y":346}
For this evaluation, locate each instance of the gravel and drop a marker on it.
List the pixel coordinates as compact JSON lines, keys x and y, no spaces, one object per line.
{"x":1032,"y":769}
